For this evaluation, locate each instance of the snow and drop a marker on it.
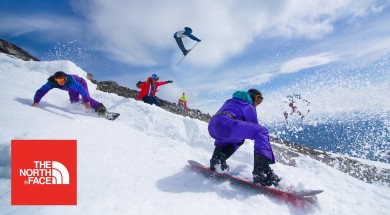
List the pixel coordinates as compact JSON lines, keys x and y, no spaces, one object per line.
{"x":138,"y":163}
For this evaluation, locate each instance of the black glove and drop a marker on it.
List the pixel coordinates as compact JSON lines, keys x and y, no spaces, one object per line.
{"x":138,"y":83}
{"x":168,"y":82}
{"x":199,"y":40}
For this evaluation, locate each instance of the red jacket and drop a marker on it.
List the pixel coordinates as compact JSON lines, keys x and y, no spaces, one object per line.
{"x":145,"y":88}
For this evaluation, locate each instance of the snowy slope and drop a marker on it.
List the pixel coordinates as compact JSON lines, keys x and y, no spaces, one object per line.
{"x":138,"y":163}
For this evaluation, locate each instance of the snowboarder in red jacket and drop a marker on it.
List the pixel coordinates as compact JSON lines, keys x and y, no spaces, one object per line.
{"x":149,"y":89}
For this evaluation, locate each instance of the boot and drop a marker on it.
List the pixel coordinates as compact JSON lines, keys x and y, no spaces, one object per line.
{"x":215,"y":161}
{"x":262,"y":173}
{"x":220,"y":155}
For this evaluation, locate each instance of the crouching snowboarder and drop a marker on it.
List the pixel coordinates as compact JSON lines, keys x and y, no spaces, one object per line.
{"x":236,"y":121}
{"x":149,"y":89}
{"x":75,"y":86}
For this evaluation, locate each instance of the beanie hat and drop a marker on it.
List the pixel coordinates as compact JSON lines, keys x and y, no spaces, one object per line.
{"x":59,"y":74}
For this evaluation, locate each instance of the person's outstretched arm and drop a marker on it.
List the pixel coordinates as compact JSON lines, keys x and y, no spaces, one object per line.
{"x":40,"y":93}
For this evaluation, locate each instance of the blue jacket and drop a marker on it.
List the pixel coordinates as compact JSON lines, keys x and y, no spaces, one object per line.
{"x":72,"y":83}
{"x":185,"y":33}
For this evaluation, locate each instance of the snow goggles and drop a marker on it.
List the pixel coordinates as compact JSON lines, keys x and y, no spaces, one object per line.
{"x":59,"y":80}
{"x":259,"y":98}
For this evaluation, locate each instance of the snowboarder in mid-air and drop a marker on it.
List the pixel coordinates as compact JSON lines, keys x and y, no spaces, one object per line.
{"x":181,"y":34}
{"x":236,"y":121}
{"x":75,"y":86}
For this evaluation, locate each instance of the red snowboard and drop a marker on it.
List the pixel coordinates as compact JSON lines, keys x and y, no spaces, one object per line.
{"x":296,"y":197}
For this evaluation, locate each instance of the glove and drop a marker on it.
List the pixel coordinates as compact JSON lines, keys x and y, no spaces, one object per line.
{"x":88,"y":105}
{"x":138,"y":83}
{"x":199,"y":40}
{"x":168,"y":82}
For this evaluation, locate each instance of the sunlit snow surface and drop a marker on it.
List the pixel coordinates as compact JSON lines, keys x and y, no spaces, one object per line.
{"x":137,"y":164}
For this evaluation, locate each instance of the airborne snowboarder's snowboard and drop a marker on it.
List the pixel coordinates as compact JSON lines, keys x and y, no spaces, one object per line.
{"x":111,"y":115}
{"x":189,"y":50}
{"x":288,"y":194}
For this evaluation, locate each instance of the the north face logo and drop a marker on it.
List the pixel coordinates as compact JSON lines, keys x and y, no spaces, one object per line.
{"x":44,"y":172}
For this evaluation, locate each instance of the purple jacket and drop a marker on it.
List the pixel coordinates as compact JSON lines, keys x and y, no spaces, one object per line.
{"x":240,"y":109}
{"x":244,"y":125}
{"x":73,"y":83}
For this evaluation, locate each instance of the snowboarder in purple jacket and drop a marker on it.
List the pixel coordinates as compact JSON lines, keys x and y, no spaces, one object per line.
{"x":236,"y":121}
{"x":75,"y":86}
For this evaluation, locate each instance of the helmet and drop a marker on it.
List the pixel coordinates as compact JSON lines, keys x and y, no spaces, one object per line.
{"x":154,"y":76}
{"x":255,"y":95}
{"x":188,"y":29}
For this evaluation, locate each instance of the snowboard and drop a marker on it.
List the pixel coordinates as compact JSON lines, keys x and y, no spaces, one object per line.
{"x":111,"y":115}
{"x":189,"y":50}
{"x":286,"y":193}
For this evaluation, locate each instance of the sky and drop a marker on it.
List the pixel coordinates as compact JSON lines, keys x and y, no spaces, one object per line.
{"x":137,"y":164}
{"x":268,"y":45}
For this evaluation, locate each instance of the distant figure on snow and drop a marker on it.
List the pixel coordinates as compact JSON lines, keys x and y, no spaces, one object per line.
{"x":236,"y":121}
{"x":181,"y":34}
{"x":183,"y":100}
{"x":149,"y":89}
{"x":75,"y":86}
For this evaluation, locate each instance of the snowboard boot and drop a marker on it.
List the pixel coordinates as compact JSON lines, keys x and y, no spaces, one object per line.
{"x":262,"y":173}
{"x":214,"y":162}
{"x":101,"y":110}
{"x":220,"y":155}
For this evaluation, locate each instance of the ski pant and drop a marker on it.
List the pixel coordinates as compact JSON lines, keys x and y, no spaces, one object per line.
{"x":151,"y":100}
{"x":74,"y":96}
{"x":181,"y":45}
{"x":182,"y":102}
{"x":228,"y":131}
